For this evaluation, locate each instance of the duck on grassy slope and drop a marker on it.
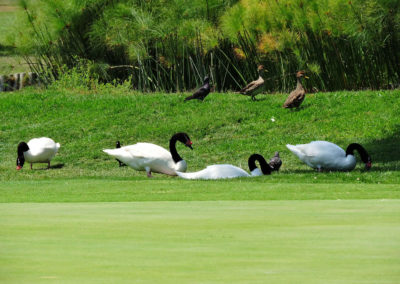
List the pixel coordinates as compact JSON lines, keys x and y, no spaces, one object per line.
{"x":201,"y":93}
{"x":255,"y":87}
{"x":37,"y":150}
{"x":153,"y":158}
{"x":229,"y":171}
{"x":323,"y":155}
{"x":296,"y":97}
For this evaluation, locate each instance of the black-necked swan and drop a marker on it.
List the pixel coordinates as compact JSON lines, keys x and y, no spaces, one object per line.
{"x":153,"y":158}
{"x":323,"y":155}
{"x":37,"y":150}
{"x":225,"y":171}
{"x":202,"y":92}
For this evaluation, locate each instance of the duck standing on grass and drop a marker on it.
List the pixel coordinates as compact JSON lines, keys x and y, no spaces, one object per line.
{"x":255,"y":87}
{"x":323,"y":155}
{"x":37,"y":150}
{"x":201,"y":93}
{"x":275,"y":162}
{"x":153,"y":158}
{"x":296,"y":97}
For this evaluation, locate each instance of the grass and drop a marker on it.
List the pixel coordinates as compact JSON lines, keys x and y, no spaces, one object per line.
{"x":86,"y":220}
{"x":353,"y":241}
{"x":225,"y":128}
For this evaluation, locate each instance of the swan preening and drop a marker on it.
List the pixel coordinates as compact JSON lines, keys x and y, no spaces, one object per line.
{"x":225,"y":171}
{"x":37,"y":150}
{"x":323,"y":155}
{"x":153,"y":158}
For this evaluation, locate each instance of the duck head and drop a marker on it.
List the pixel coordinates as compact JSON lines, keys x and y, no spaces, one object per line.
{"x":22,"y":147}
{"x":301,"y":74}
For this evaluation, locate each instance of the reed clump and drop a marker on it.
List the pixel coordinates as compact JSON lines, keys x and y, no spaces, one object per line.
{"x":170,"y":45}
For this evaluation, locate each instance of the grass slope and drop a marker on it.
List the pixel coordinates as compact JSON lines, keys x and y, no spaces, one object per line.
{"x":225,"y":128}
{"x":353,"y":241}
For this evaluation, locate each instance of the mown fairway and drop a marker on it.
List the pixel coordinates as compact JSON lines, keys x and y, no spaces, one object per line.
{"x":88,"y":221}
{"x":353,"y":241}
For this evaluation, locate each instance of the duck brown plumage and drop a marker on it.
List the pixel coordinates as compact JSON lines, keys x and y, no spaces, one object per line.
{"x":297,"y":96}
{"x":255,"y":87}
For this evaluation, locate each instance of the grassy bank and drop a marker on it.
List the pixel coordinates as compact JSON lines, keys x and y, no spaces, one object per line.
{"x":225,"y":128}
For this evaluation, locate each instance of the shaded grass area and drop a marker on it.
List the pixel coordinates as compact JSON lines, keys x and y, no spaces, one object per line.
{"x":225,"y":128}
{"x":350,"y":241}
{"x":142,"y":189}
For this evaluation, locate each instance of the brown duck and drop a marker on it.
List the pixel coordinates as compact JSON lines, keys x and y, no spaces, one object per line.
{"x":255,"y":87}
{"x":297,"y":96}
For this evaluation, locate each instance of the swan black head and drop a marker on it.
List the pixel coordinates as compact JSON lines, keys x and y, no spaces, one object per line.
{"x":118,"y":144}
{"x":265,"y":168}
{"x":22,"y":147}
{"x":206,"y":80}
{"x":183,"y":138}
{"x":365,"y":157}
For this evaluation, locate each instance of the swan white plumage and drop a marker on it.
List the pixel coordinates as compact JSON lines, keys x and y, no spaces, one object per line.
{"x":37,"y":150}
{"x":153,"y":158}
{"x":225,"y":171}
{"x":329,"y":156}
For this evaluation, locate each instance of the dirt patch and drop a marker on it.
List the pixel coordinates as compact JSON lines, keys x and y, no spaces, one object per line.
{"x":8,"y":8}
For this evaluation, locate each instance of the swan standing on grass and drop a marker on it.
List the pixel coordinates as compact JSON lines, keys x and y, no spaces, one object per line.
{"x":230,"y":171}
{"x":323,"y":155}
{"x":153,"y":158}
{"x":37,"y":150}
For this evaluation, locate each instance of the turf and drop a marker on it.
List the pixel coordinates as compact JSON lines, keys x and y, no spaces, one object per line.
{"x":354,"y":241}
{"x":86,"y":220}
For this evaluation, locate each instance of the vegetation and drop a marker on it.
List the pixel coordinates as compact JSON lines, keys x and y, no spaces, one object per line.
{"x":225,"y":128}
{"x":78,"y":221}
{"x":186,"y":242}
{"x":170,"y":45}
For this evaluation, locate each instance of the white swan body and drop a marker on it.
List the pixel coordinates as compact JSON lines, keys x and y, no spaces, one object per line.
{"x":225,"y":171}
{"x":323,"y":155}
{"x":41,"y":150}
{"x":215,"y":172}
{"x":150,"y":157}
{"x":144,"y":156}
{"x":37,"y":150}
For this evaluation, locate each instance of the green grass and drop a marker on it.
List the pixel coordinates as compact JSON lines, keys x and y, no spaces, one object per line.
{"x":225,"y":128}
{"x":88,"y":221}
{"x":355,"y":241}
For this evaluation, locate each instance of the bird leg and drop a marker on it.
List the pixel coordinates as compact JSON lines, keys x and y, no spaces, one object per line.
{"x":31,"y":166}
{"x":148,"y":172}
{"x":48,"y":165}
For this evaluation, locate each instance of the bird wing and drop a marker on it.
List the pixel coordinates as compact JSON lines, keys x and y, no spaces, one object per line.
{"x":200,"y":93}
{"x":295,"y":98}
{"x":252,"y":86}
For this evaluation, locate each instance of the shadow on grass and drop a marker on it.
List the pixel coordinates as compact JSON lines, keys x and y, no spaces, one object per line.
{"x":386,"y":151}
{"x":57,"y":166}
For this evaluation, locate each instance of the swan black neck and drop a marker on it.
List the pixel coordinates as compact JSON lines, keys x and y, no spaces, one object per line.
{"x":363,"y":153}
{"x":22,"y":147}
{"x":181,"y":137}
{"x":265,"y":168}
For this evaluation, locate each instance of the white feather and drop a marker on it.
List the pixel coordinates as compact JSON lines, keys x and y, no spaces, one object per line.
{"x":146,"y":155}
{"x":216,"y":172}
{"x":323,"y":155}
{"x":41,"y":150}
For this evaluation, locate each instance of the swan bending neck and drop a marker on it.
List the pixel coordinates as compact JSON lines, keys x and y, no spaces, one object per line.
{"x":265,"y":168}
